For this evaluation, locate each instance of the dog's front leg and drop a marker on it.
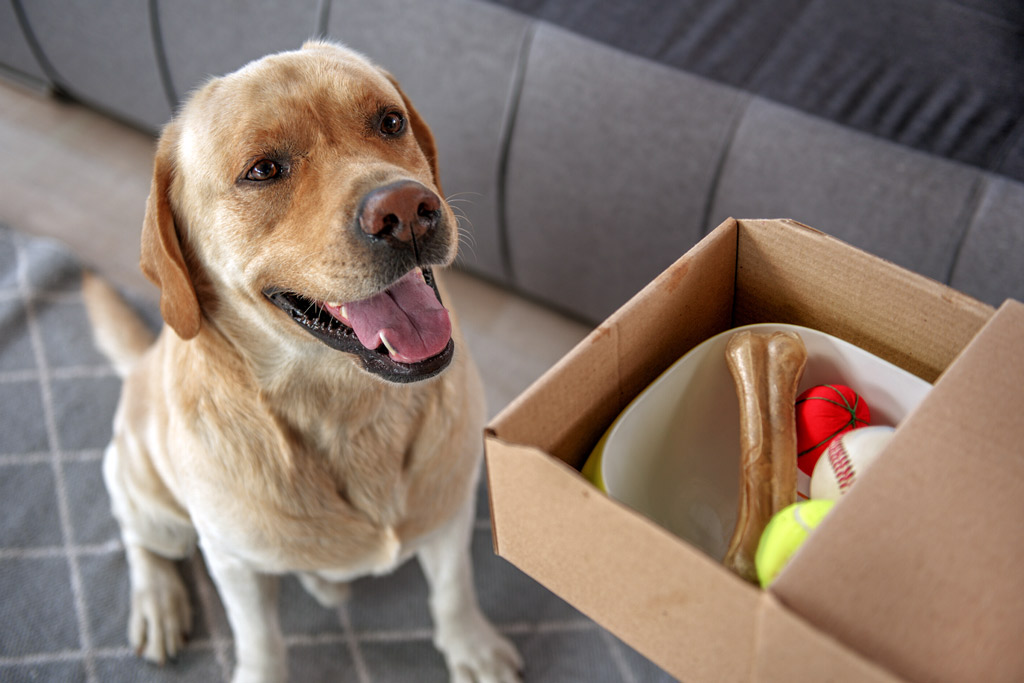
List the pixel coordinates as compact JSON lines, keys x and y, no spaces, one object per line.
{"x":250,"y":600}
{"x":472,"y":647}
{"x":160,"y":617}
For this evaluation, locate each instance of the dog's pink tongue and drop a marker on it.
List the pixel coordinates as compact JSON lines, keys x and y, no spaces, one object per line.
{"x":407,"y":318}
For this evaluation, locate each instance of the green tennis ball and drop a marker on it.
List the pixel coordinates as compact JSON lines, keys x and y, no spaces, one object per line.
{"x":784,"y":535}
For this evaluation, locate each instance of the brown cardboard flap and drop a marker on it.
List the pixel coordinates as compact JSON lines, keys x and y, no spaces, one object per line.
{"x":789,"y":649}
{"x":921,"y":566}
{"x":566,"y":410}
{"x":790,"y":273}
{"x":669,"y":600}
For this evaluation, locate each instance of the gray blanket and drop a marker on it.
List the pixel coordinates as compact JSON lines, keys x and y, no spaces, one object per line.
{"x":63,"y":578}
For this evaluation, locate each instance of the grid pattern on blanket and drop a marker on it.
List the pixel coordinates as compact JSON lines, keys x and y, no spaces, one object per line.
{"x":63,"y":578}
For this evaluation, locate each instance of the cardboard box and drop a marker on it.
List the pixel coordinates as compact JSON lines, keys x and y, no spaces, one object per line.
{"x":918,"y":574}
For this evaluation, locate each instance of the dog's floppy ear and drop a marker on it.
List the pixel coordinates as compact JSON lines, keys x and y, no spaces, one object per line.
{"x":162,"y":259}
{"x":421,"y":131}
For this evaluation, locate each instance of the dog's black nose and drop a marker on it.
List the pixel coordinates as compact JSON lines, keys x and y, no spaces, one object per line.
{"x":403,"y":211}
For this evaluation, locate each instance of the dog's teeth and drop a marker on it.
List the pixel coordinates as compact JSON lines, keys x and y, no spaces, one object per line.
{"x":387,"y":345}
{"x":334,"y":304}
{"x":344,"y":311}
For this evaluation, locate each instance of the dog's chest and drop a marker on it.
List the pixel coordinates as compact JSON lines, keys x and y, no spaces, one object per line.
{"x":368,"y":470}
{"x":373,"y":455}
{"x":322,"y":482}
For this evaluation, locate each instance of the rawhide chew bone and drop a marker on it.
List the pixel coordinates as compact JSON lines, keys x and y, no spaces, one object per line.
{"x":766,"y":368}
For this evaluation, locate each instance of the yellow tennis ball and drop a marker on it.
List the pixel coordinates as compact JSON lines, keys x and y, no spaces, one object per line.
{"x":784,"y":535}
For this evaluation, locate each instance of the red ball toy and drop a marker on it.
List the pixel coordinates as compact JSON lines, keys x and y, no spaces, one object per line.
{"x":823,"y":413}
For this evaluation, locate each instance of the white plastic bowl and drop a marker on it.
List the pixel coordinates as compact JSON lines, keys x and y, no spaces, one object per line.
{"x":673,"y":453}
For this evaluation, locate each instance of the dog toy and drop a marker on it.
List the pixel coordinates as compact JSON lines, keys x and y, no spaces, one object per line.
{"x":847,"y":456}
{"x":784,"y":535}
{"x":823,"y":413}
{"x":766,"y":369}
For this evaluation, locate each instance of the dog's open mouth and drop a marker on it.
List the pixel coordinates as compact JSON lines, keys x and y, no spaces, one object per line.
{"x":403,"y":334}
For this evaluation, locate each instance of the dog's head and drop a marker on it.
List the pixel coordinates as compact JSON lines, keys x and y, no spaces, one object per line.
{"x":298,"y":200}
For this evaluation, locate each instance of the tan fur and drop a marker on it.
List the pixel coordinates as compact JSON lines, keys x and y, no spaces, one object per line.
{"x":241,"y":430}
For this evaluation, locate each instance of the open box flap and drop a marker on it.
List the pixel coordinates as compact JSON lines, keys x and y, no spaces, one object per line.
{"x":921,"y":566}
{"x":677,"y":607}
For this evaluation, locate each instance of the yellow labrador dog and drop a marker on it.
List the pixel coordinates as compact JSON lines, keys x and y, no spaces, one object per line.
{"x":309,"y":406}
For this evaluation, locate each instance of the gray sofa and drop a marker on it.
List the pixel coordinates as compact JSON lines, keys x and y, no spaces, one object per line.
{"x":590,"y":143}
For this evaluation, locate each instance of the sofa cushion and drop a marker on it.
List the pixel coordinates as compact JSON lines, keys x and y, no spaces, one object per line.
{"x":611,"y":161}
{"x":203,"y":38}
{"x":909,"y":207}
{"x":16,"y":56}
{"x":991,"y":262}
{"x":79,"y":41}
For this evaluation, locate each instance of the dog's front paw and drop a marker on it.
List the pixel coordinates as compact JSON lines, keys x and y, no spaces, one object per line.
{"x":476,"y":653}
{"x":160,"y":618}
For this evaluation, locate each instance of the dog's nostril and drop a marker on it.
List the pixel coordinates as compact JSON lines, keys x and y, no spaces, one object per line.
{"x":427,"y":212}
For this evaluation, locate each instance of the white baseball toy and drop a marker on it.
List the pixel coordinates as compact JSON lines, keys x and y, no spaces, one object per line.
{"x":847,"y":457}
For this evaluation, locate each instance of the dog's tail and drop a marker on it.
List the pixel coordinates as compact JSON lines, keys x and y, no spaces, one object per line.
{"x":118,"y":331}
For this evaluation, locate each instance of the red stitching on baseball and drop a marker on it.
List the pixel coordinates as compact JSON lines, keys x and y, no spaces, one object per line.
{"x":841,"y":465}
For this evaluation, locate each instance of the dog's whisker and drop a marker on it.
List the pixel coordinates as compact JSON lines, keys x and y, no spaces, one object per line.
{"x":466,"y":232}
{"x":464,"y":224}
{"x":459,"y":195}
{"x":466,"y":244}
{"x":462,"y":259}
{"x":468,"y":240}
{"x":310,"y":307}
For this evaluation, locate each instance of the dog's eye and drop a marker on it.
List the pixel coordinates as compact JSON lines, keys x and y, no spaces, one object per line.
{"x":264,"y":169}
{"x":392,"y":123}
